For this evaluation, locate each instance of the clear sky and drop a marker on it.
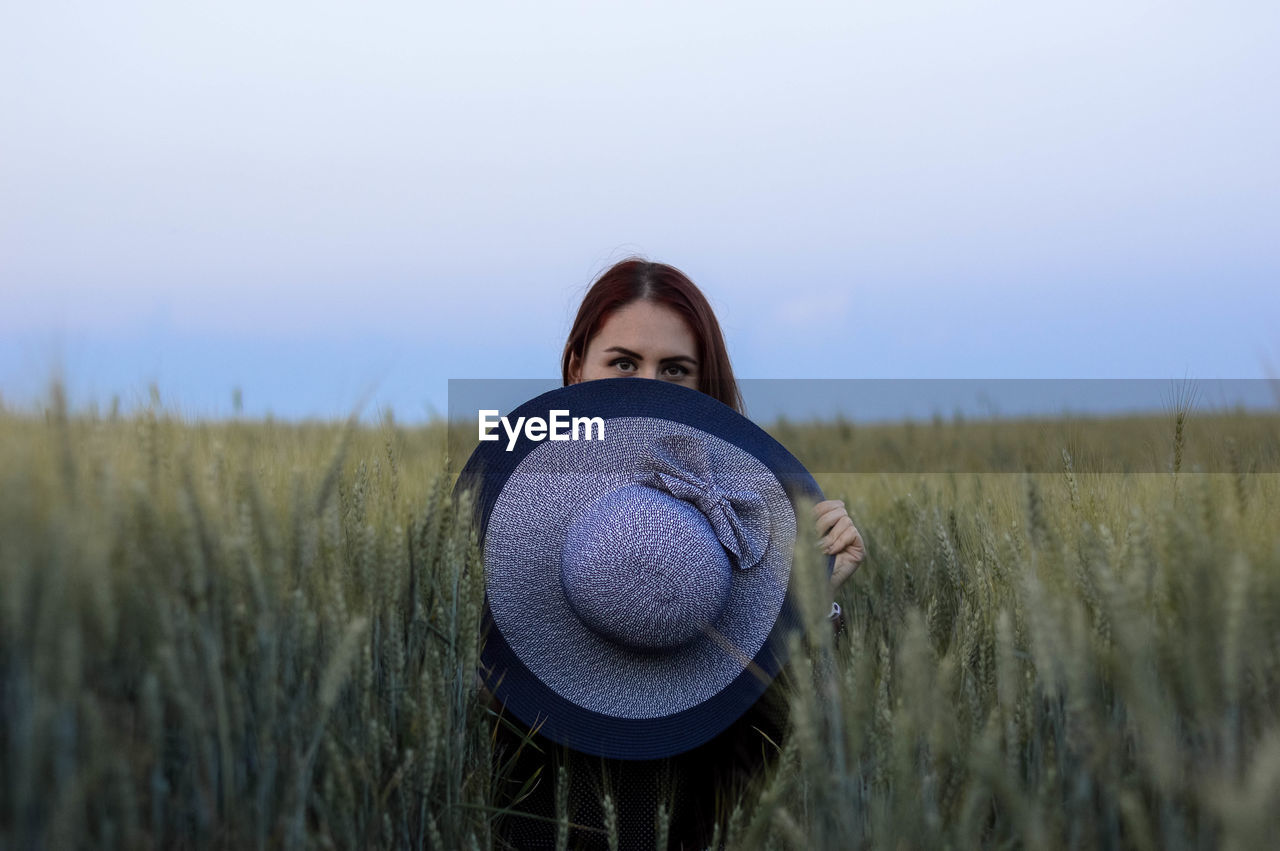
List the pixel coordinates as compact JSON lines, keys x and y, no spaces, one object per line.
{"x":325,"y":203}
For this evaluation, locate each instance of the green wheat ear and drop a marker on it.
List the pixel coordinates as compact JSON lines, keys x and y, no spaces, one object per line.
{"x":251,"y":634}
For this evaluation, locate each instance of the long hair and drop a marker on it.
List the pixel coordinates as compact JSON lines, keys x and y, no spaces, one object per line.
{"x":636,"y":279}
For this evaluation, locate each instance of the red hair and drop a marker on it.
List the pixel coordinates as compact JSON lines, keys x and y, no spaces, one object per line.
{"x":635,"y":279}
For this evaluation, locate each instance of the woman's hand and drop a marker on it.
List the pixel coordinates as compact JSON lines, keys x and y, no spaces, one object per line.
{"x":839,"y":538}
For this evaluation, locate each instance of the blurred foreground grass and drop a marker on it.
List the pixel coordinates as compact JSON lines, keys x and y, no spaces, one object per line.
{"x":251,"y":635}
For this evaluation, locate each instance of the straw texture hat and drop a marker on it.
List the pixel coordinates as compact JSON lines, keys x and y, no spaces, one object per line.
{"x":637,"y":586}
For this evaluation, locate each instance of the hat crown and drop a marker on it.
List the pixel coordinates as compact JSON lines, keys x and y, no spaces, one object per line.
{"x":644,"y":569}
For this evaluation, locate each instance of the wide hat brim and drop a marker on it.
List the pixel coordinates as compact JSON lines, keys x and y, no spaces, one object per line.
{"x":556,"y":675}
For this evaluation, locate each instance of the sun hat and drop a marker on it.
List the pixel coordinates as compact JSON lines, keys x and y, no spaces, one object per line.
{"x":638,"y":577}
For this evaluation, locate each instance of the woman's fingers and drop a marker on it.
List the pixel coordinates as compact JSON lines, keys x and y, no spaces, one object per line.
{"x":826,"y":505}
{"x":842,"y":525}
{"x":840,"y":538}
{"x":827,"y":513}
{"x":847,"y":535}
{"x":844,"y":568}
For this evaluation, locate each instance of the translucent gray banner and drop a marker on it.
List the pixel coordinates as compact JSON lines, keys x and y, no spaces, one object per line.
{"x":976,"y":425}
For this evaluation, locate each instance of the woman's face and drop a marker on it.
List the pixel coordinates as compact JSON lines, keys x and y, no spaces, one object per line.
{"x":642,"y":339}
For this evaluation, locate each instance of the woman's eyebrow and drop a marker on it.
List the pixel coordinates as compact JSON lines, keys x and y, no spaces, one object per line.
{"x":631,"y":354}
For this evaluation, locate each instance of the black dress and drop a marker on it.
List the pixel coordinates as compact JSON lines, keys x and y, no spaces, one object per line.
{"x":698,"y":787}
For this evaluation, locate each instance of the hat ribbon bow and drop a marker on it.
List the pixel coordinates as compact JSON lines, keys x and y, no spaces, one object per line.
{"x":680,"y":466}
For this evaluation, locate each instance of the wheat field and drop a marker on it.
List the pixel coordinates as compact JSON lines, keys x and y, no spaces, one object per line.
{"x":264,"y":635}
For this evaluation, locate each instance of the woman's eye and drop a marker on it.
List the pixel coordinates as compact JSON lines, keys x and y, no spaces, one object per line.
{"x":623,"y":364}
{"x":676,"y":371}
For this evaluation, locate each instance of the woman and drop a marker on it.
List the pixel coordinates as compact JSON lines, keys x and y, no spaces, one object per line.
{"x":648,"y":320}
